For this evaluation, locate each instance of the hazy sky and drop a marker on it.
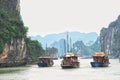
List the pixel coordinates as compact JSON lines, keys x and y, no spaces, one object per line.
{"x":55,"y":16}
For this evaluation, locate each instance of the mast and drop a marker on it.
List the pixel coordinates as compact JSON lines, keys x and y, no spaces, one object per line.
{"x":64,"y":47}
{"x":70,"y":44}
{"x":67,"y":43}
{"x":46,"y":49}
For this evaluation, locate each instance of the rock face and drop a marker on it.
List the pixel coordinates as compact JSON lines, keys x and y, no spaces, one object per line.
{"x":15,"y":50}
{"x":10,"y":5}
{"x":110,"y":39}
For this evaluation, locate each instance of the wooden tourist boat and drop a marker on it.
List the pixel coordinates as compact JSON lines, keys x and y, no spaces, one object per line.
{"x":45,"y":61}
{"x":70,"y":60}
{"x":100,"y":60}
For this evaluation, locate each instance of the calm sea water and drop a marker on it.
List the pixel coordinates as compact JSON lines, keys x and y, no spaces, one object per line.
{"x":85,"y":72}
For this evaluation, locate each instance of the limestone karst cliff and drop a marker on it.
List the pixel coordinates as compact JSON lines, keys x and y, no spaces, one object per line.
{"x":12,"y":32}
{"x":110,"y":39}
{"x":15,"y":47}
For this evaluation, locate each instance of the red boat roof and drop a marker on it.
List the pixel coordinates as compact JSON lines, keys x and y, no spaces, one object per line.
{"x":70,"y":55}
{"x":101,"y":54}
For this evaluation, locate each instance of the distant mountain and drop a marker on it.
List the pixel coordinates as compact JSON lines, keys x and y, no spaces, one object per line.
{"x":83,"y":50}
{"x":77,"y":47}
{"x":87,"y":38}
{"x":60,"y":45}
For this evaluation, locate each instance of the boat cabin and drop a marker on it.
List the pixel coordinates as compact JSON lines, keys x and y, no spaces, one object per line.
{"x":45,"y":62}
{"x":70,"y":60}
{"x":100,"y":59}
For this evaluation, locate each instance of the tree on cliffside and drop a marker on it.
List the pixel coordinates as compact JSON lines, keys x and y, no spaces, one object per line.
{"x":10,"y":27}
{"x":34,"y":50}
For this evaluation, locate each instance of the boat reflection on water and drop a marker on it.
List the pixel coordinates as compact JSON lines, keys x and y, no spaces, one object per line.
{"x":70,"y":60}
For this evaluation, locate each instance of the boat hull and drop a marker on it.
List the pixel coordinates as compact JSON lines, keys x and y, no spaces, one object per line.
{"x":45,"y":64}
{"x":74,"y":65}
{"x":98,"y":64}
{"x":67,"y":66}
{"x":42,"y":65}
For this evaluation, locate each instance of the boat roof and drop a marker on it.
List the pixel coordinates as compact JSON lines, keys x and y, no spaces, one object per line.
{"x":100,"y":54}
{"x":70,"y":55}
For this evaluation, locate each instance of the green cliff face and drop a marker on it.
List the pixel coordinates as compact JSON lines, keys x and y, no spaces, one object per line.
{"x":12,"y":32}
{"x":14,"y":44}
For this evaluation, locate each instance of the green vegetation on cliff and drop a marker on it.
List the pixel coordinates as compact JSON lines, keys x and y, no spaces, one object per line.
{"x":34,"y":49}
{"x":10,"y":27}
